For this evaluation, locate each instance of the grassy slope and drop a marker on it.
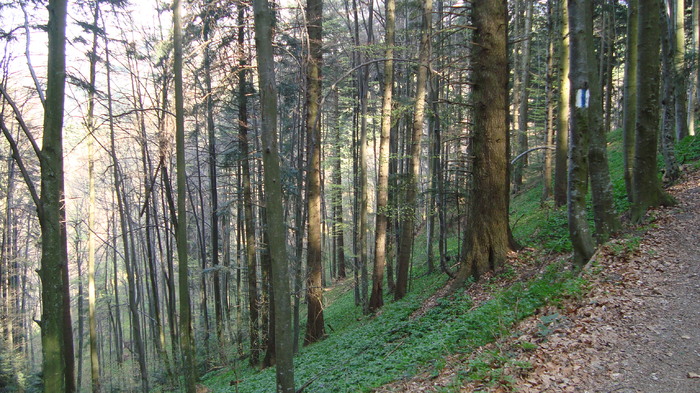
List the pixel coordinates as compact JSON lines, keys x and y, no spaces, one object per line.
{"x":363,"y":352}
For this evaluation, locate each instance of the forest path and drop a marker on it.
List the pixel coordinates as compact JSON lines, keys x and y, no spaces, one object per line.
{"x":637,"y":329}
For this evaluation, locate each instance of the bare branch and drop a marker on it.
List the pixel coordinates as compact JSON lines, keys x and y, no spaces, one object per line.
{"x":23,"y":169}
{"x":22,"y":123}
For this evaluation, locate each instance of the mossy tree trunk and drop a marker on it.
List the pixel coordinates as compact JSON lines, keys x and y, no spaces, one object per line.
{"x":580,"y":104}
{"x":646,"y":186}
{"x":629,"y":96}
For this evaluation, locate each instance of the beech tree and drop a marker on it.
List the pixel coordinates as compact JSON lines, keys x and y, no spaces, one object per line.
{"x":646,"y":186}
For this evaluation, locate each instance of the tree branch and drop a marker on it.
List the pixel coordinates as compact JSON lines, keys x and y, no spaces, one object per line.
{"x":25,"y":174}
{"x":22,"y":124}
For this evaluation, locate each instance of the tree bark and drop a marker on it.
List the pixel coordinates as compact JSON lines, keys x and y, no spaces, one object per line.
{"x":486,"y":239}
{"x":53,"y":257}
{"x":315,"y":327}
{"x":581,"y":104}
{"x":376,"y":300}
{"x":408,"y":214}
{"x":629,"y":97}
{"x":562,"y":139}
{"x":647,"y":191}
{"x":189,"y":370}
{"x":273,"y":196}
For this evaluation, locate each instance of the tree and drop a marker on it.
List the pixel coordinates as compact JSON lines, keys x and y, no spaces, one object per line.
{"x":408,"y":215}
{"x":486,"y":238}
{"x":56,"y":329}
{"x":629,"y":97}
{"x":284,"y":346}
{"x":92,"y":296}
{"x":580,"y":104}
{"x":679,"y":72}
{"x":186,"y":339}
{"x":562,"y":139}
{"x":315,"y":327}
{"x":376,"y":299}
{"x":646,"y":187}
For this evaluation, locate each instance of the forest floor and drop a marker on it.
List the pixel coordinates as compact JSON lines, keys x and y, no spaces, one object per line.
{"x":636,"y":329}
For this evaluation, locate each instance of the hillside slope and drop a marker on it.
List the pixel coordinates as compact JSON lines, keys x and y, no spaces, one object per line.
{"x":637,"y":329}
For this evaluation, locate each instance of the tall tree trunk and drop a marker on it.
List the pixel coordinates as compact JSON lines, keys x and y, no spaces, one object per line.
{"x":338,"y":226}
{"x":186,"y":338}
{"x":273,"y":195}
{"x":523,"y":102}
{"x":213,"y":190}
{"x":486,"y":240}
{"x":581,"y":63}
{"x":315,"y":327}
{"x":561,"y":169}
{"x":376,"y":300}
{"x":604,"y":214}
{"x":92,"y":295}
{"x":647,"y":191}
{"x":629,"y":96}
{"x":363,"y":173}
{"x":668,"y":100}
{"x":408,"y":215}
{"x":679,"y":74}
{"x":243,"y":127}
{"x":53,"y":256}
{"x":550,"y":130}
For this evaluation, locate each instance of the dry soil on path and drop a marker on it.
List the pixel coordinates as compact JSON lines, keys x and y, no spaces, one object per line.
{"x":637,"y":329}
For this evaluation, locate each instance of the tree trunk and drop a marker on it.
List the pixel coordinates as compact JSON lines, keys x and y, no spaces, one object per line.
{"x":561,"y":169}
{"x":376,"y":300}
{"x":668,"y":100}
{"x":186,"y":338}
{"x":647,"y":191}
{"x":550,"y":130}
{"x":273,"y":196}
{"x":92,"y":294}
{"x":679,"y":74}
{"x":581,"y":104}
{"x":486,"y":240}
{"x":53,"y":259}
{"x":315,"y":327}
{"x":604,"y":214}
{"x":408,"y":215}
{"x":213,"y":190}
{"x":629,"y":96}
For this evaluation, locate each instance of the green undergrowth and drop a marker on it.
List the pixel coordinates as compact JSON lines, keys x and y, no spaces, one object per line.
{"x":366,"y":352}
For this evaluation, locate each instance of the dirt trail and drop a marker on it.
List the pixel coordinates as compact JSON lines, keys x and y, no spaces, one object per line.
{"x":638,"y":330}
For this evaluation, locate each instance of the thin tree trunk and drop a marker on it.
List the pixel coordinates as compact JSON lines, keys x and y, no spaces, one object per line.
{"x":186,"y":339}
{"x":408,"y":217}
{"x":629,"y":97}
{"x":376,"y":300}
{"x":561,"y":169}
